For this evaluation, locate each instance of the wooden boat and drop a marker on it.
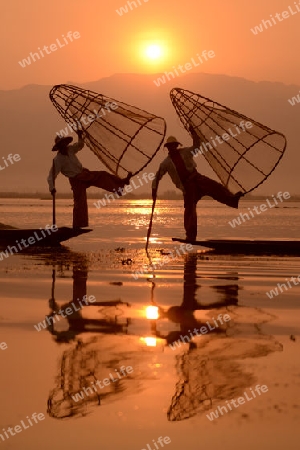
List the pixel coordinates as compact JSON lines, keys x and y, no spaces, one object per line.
{"x":37,"y":236}
{"x":248,"y":246}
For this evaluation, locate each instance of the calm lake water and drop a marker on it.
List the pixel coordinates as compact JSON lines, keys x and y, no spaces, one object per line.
{"x":127,"y":220}
{"x":166,"y":392}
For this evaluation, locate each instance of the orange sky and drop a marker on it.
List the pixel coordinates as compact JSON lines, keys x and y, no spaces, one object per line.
{"x":110,"y":43}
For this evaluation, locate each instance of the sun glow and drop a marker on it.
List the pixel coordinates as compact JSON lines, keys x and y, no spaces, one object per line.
{"x":150,"y":341}
{"x":152,"y":312}
{"x":154,"y":51}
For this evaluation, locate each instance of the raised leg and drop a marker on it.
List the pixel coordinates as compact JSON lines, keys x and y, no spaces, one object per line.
{"x":84,"y":180}
{"x":105,"y":180}
{"x":206,"y":186}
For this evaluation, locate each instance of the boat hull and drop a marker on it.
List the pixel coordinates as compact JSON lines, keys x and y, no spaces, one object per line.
{"x":248,"y":246}
{"x":11,"y":236}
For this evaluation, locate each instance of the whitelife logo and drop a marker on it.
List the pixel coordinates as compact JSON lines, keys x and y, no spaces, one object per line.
{"x":265,"y":24}
{"x":87,"y":120}
{"x":171,"y":256}
{"x":294,"y":100}
{"x":160,"y":441}
{"x":274,"y":292}
{"x":132,"y":5}
{"x":125,"y":190}
{"x":106,"y":381}
{"x":17,"y":428}
{"x":3,"y":345}
{"x":262,"y":208}
{"x":183,"y":69}
{"x":68,"y":311}
{"x":203,"y":330}
{"x":220,"y":139}
{"x":239,"y":400}
{"x":10,"y":250}
{"x":11,"y":158}
{"x":53,"y":47}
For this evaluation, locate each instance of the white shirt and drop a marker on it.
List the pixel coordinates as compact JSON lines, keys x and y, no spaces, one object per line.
{"x":69,"y":165}
{"x":168,"y":166}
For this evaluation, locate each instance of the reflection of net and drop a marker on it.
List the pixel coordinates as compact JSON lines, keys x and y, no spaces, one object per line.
{"x":81,"y":366}
{"x":100,"y":357}
{"x":209,"y":374}
{"x":125,"y":139}
{"x":113,"y":315}
{"x":186,"y":403}
{"x":243,"y":160}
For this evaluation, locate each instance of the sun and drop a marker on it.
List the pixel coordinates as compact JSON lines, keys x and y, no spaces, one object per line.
{"x":153,"y":51}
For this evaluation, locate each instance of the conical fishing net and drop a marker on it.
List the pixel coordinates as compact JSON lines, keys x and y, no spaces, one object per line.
{"x":123,"y":137}
{"x":242,"y":152}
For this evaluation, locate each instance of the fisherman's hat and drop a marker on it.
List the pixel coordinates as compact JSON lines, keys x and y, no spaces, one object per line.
{"x":171,"y":140}
{"x":61,"y":140}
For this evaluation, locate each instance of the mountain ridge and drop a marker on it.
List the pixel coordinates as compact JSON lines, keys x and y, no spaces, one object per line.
{"x":30,"y":122}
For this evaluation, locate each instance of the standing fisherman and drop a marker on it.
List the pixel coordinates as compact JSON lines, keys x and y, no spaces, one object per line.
{"x":181,"y":167}
{"x":80,"y":178}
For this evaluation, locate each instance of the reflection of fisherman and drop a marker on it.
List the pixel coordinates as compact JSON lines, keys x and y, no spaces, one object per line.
{"x":80,"y":178}
{"x":77,"y":323}
{"x":184,"y":314}
{"x":182,"y":169}
{"x":209,"y":370}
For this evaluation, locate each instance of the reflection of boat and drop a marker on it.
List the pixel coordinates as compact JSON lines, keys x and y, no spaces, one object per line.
{"x":249,"y":246}
{"x":37,"y":237}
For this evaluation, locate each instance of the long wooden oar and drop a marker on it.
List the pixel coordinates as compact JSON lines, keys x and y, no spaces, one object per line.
{"x":151,"y":220}
{"x":53,"y":196}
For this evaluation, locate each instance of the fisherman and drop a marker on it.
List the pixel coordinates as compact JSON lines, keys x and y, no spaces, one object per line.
{"x":80,"y":178}
{"x":182,"y":169}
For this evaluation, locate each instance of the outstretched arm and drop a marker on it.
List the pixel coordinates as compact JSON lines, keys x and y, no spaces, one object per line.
{"x":163,"y":168}
{"x":79,"y":145}
{"x":195,"y":137}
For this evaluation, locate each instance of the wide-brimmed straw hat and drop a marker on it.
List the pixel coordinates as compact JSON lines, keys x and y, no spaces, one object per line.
{"x":171,"y":140}
{"x":59,"y":140}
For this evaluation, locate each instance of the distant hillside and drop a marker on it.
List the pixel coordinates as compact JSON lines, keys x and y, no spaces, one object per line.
{"x":29,"y":123}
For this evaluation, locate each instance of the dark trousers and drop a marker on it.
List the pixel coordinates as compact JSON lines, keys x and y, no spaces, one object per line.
{"x":195,"y":189}
{"x":84,"y":180}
